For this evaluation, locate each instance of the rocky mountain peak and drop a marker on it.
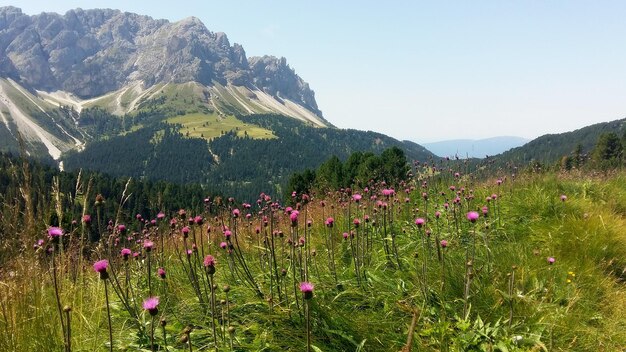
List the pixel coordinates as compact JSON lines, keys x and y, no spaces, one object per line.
{"x":92,"y":52}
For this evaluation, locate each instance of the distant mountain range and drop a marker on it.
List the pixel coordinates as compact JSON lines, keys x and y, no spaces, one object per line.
{"x":474,"y":148}
{"x":130,"y":95}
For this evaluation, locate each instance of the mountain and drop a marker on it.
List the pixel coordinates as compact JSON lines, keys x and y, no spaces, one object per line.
{"x":129,"y":95}
{"x":550,"y":148}
{"x":475,"y":148}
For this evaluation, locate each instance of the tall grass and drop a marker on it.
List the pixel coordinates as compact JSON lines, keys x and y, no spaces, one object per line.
{"x":387,"y":283}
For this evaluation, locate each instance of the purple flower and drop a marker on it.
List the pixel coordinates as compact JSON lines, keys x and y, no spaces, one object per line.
{"x":329,"y":222}
{"x":551,"y":260}
{"x":125,"y":252}
{"x":185,"y":230}
{"x":357,"y":197}
{"x":356,"y":222}
{"x":563,"y":197}
{"x":121,"y":228}
{"x":101,"y":268}
{"x":472,"y":216}
{"x":419,"y":222}
{"x":307,"y":289}
{"x":444,"y":243}
{"x":223,"y":245}
{"x":227,"y":234}
{"x":160,"y":216}
{"x":148,"y":245}
{"x":87,"y":219}
{"x":388,"y":192}
{"x":151,"y":305}
{"x":485,"y":211}
{"x":294,"y":217}
{"x":209,"y":264}
{"x":437,"y":214}
{"x":161,"y":273}
{"x":55,"y":232}
{"x":198,"y":220}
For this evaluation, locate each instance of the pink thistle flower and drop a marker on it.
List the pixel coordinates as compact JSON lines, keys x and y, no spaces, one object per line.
{"x":356,"y":222}
{"x":223,"y":245}
{"x":121,"y":228}
{"x":345,"y":235}
{"x":563,"y":197}
{"x":420,"y":222}
{"x":185,"y":230}
{"x":55,"y":232}
{"x":388,"y":192}
{"x":236,"y":213}
{"x":437,"y":214}
{"x":198,"y":220}
{"x":151,"y":305}
{"x":472,"y":216}
{"x":485,"y":211}
{"x":443,"y":243}
{"x":329,"y":222}
{"x":161,"y":216}
{"x":209,"y":264}
{"x":101,"y":268}
{"x":87,"y":219}
{"x":307,"y":289}
{"x":161,"y":273}
{"x":294,"y":217}
{"x":356,"y":197}
{"x":148,"y":245}
{"x":227,"y":234}
{"x":125,"y":253}
{"x":551,"y":260}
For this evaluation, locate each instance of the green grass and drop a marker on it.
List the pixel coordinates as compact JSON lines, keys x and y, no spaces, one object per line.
{"x":576,"y":304}
{"x":212,"y":126}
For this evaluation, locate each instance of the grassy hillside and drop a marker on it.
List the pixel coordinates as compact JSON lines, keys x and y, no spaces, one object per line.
{"x":542,"y":271}
{"x":552,"y":147}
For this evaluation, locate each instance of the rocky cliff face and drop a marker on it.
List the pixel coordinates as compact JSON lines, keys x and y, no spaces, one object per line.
{"x":92,"y":52}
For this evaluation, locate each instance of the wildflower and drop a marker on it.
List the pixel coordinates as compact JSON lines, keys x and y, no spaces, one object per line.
{"x":151,"y":305}
{"x":87,"y":219}
{"x":161,"y":273}
{"x":294,"y":217}
{"x":160,"y":216}
{"x":443,"y":243}
{"x":148,"y":245}
{"x":357,"y":222}
{"x":101,"y":268}
{"x":185,"y":230}
{"x":227,"y":234}
{"x":485,"y":211}
{"x":345,"y":235}
{"x":419,"y":222}
{"x":551,"y":260}
{"x":209,"y":264}
{"x":198,"y":220}
{"x":125,"y":253}
{"x":236,"y":213}
{"x":437,"y":214}
{"x":472,"y":216}
{"x":356,"y":197}
{"x":223,"y":245}
{"x":563,"y":197}
{"x":307,"y":289}
{"x":121,"y":228}
{"x":55,"y":232}
{"x":329,"y":222}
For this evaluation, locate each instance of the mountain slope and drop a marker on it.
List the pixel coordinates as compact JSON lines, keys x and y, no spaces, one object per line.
{"x":235,"y":164}
{"x":551,"y":147}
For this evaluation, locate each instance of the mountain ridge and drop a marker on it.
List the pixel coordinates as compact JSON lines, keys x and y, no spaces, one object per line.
{"x":92,"y":52}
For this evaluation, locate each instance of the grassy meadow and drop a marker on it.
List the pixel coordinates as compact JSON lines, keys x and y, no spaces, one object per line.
{"x":444,"y":262}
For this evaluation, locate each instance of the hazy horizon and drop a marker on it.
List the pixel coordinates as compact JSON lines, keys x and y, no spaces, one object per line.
{"x":429,"y":72}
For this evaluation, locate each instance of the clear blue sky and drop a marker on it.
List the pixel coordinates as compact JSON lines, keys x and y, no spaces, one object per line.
{"x":428,"y":71}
